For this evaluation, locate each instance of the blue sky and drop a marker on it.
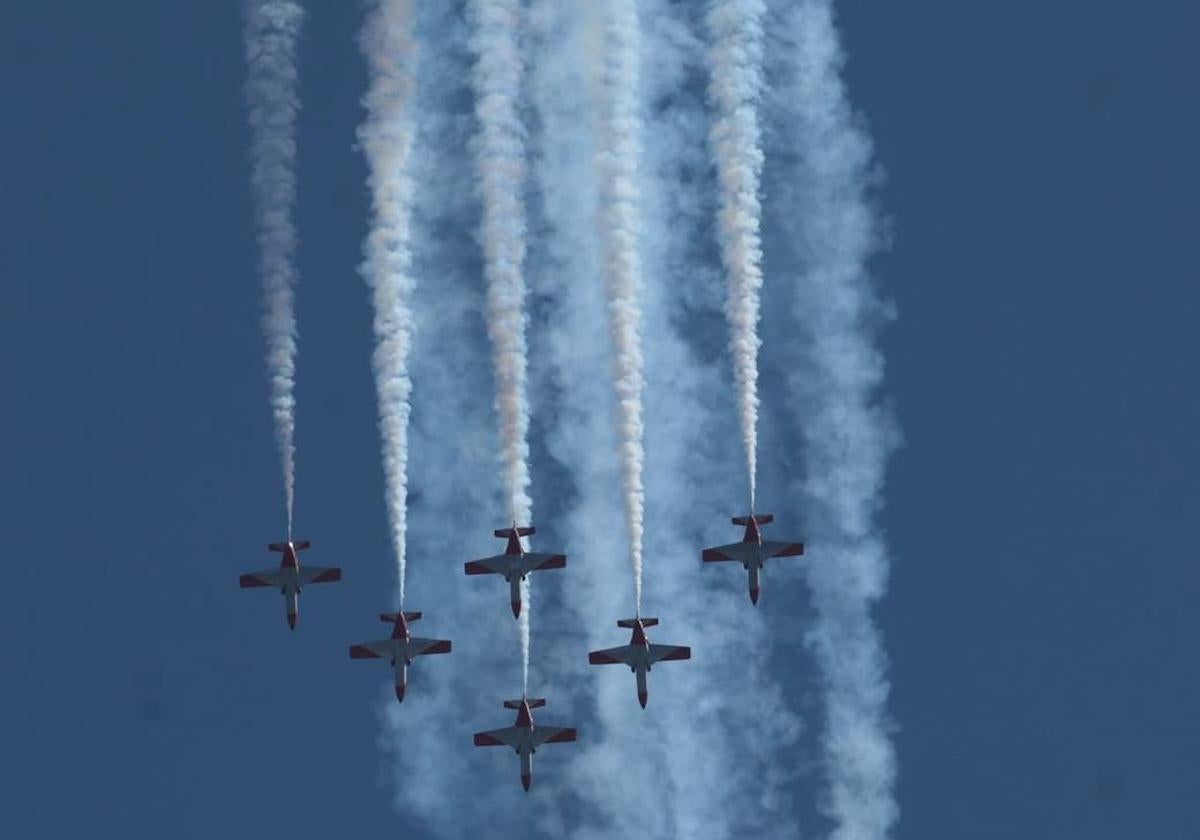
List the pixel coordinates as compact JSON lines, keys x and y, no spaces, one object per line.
{"x":1039,"y":190}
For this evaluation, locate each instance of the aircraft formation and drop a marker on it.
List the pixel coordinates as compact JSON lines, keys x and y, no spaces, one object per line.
{"x":524,"y":737}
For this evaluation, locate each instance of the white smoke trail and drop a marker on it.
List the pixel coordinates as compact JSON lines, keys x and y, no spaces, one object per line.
{"x":500,"y":158}
{"x":271,"y":29}
{"x":617,"y":161}
{"x":835,"y":369}
{"x":735,"y":89}
{"x":646,"y":773}
{"x":387,"y":137}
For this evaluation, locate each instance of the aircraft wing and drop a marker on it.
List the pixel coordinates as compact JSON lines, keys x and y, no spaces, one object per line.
{"x":320,"y":574}
{"x":552,"y":734}
{"x":372,"y":650}
{"x":737,"y":552}
{"x":612,"y":656}
{"x":424,"y":647}
{"x":498,"y":565}
{"x":506,"y":737}
{"x":782,"y":549}
{"x":267,"y":577}
{"x":660,"y":652}
{"x":534,"y":562}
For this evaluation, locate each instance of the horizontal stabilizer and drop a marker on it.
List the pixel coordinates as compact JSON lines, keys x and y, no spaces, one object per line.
{"x":299,"y":545}
{"x":390,"y":618}
{"x":629,"y":623}
{"x":505,"y":533}
{"x":534,"y":703}
{"x":759,"y":519}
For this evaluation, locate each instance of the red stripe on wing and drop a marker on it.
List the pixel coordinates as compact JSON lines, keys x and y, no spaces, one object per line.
{"x":246,"y":581}
{"x":362,"y":652}
{"x":599,"y":657}
{"x":328,"y":576}
{"x":561,"y":737}
{"x":482,"y":739}
{"x":711,"y":555}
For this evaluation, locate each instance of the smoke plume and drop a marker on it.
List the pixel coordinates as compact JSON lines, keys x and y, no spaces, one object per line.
{"x":619,"y":147}
{"x":735,"y":89}
{"x":500,"y":159}
{"x":271,"y":28}
{"x":834,"y":369}
{"x":387,"y":138}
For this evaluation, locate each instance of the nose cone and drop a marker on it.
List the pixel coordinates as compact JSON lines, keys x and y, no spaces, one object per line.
{"x":400,"y":691}
{"x":516,"y":608}
{"x":292,"y":620}
{"x":643,"y":696}
{"x":754,"y":595}
{"x":525,"y":780}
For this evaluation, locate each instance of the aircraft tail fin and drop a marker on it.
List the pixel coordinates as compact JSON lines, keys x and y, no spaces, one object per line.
{"x":299,"y":545}
{"x":534,"y":703}
{"x":758,"y":519}
{"x":505,"y":533}
{"x":629,"y":623}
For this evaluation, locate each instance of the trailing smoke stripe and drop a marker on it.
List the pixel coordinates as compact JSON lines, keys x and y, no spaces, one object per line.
{"x":847,"y":436}
{"x":387,"y":137}
{"x":271,"y":28}
{"x":735,"y":89}
{"x":501,"y":162}
{"x":620,"y":223}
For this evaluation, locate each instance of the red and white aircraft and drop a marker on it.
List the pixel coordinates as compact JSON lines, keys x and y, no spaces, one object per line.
{"x":290,"y":577}
{"x":515,"y":563}
{"x":400,"y":648}
{"x":523,"y":736}
{"x":639,"y":654}
{"x":752,"y":552}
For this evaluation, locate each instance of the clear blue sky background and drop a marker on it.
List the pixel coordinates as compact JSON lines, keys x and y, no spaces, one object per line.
{"x":1042,"y":185}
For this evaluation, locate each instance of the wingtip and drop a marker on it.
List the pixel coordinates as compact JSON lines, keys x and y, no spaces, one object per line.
{"x":643,"y":697}
{"x":526,"y":780}
{"x":754,"y":597}
{"x":292,"y":621}
{"x":400,"y":693}
{"x":516,"y":609}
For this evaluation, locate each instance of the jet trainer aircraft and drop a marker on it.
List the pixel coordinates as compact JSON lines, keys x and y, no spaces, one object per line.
{"x":400,"y":648}
{"x":639,"y":654}
{"x":523,"y":736}
{"x":752,"y":552}
{"x":515,"y":563}
{"x":290,"y":577}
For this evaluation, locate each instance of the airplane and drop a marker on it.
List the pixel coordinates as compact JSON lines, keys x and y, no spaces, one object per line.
{"x":400,"y":648}
{"x":523,"y":736}
{"x":290,"y":577}
{"x":752,"y":552}
{"x":515,"y":563}
{"x":639,"y":654}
